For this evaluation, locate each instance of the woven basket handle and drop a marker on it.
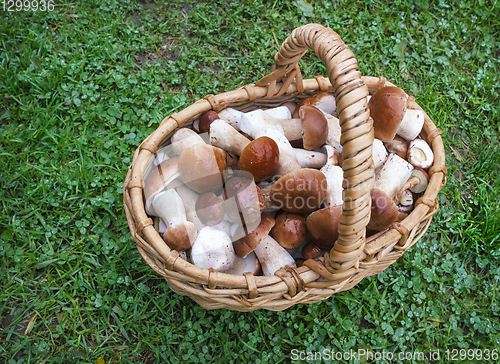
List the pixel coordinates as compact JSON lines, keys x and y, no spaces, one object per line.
{"x":357,"y":136}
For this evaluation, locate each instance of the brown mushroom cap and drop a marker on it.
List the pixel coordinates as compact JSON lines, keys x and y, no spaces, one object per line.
{"x":387,"y":109}
{"x":180,"y":236}
{"x":201,"y":167}
{"x":398,"y":145}
{"x":210,"y":209}
{"x":323,"y":225}
{"x":206,"y":119}
{"x":314,"y":100}
{"x":243,"y":200}
{"x":314,"y":127}
{"x":300,"y":191}
{"x":311,"y":251}
{"x":158,"y":177}
{"x":252,"y":238}
{"x":260,"y":158}
{"x":289,"y":230}
{"x":384,"y":211}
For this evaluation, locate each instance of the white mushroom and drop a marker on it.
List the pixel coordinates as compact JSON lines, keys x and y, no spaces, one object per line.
{"x":251,"y":122}
{"x":412,"y":124}
{"x":334,"y":132}
{"x":272,"y":256}
{"x":393,"y":175}
{"x":169,"y":207}
{"x":379,"y":153}
{"x":189,"y":198}
{"x":420,"y":154}
{"x":213,"y":248}
{"x":334,"y":177}
{"x":280,"y":112}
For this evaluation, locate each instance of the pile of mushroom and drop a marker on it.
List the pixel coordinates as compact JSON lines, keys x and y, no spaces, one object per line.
{"x":260,"y":191}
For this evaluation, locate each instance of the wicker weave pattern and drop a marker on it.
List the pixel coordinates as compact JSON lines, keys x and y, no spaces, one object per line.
{"x":353,"y":257}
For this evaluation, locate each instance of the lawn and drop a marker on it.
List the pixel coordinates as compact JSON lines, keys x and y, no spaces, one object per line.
{"x":84,"y":83}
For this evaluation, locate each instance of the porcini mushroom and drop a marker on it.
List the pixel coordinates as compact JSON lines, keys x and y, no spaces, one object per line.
{"x":202,"y":167}
{"x":405,"y":202}
{"x":391,"y":116}
{"x":314,"y":127}
{"x":213,"y":248}
{"x":210,"y":209}
{"x":260,"y":158}
{"x":158,"y":178}
{"x":252,"y":264}
{"x":226,"y":137}
{"x":420,"y":154}
{"x":310,"y":158}
{"x":272,"y":256}
{"x":384,"y":211}
{"x":300,"y":191}
{"x":248,"y":237}
{"x":289,"y":230}
{"x":269,"y":205}
{"x":323,"y":101}
{"x":417,"y":183}
{"x":251,"y":122}
{"x":393,"y":175}
{"x":180,"y":233}
{"x":243,"y":200}
{"x":312,"y":251}
{"x":398,"y":145}
{"x":189,"y":198}
{"x":334,"y":177}
{"x":203,"y":123}
{"x":280,"y":112}
{"x":322,"y":226}
{"x":184,"y":138}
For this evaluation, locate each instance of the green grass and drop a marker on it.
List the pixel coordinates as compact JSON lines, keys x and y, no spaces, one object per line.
{"x":78,"y":95}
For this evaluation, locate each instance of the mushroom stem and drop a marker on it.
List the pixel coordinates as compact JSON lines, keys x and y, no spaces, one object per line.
{"x":334,"y":132}
{"x":251,"y":122}
{"x":334,"y":177}
{"x":379,"y":153}
{"x":232,"y":117}
{"x":280,"y":112}
{"x":310,"y":158}
{"x":189,"y":198}
{"x":272,"y":256}
{"x":411,"y":125}
{"x":226,"y":137}
{"x":393,"y":175}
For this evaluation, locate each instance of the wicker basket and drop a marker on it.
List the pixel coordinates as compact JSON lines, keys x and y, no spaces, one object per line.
{"x":353,"y":256}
